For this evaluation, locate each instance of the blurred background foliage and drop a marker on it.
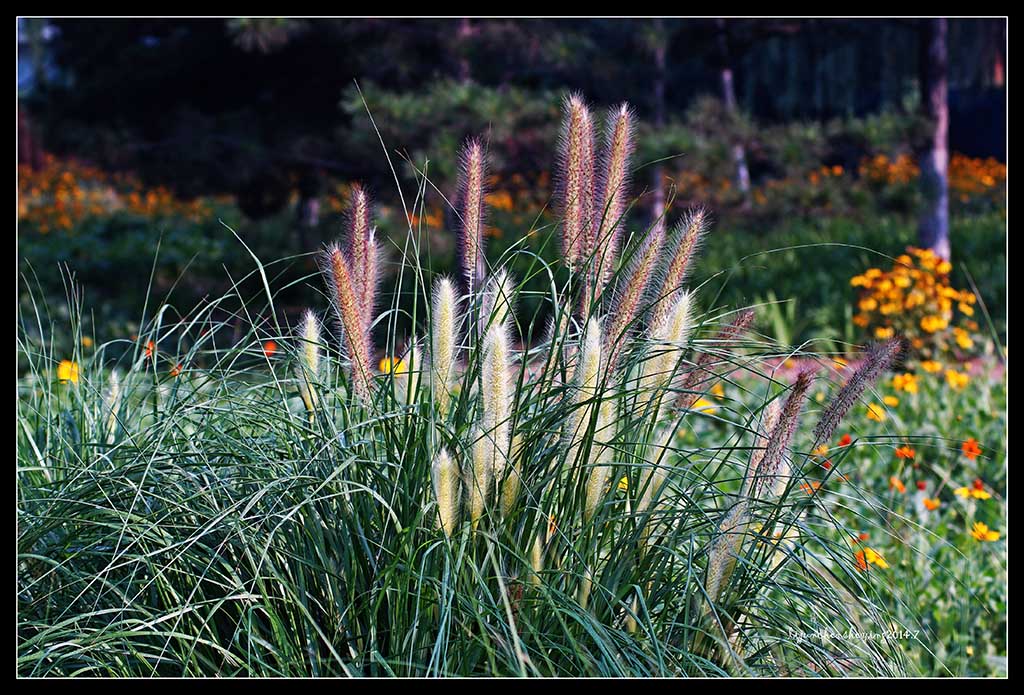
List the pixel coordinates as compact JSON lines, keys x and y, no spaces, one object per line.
{"x":139,"y":133}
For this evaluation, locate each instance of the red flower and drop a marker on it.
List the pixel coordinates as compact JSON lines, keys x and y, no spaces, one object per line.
{"x":269,"y":348}
{"x":845,"y":440}
{"x":921,"y":485}
{"x":978,"y":485}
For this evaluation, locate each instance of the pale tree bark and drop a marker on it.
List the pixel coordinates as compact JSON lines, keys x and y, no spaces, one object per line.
{"x":933,"y":231}
{"x":660,"y":49}
{"x":739,"y":155}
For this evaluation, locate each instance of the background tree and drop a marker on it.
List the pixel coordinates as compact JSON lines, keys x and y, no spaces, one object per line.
{"x":934,"y":155}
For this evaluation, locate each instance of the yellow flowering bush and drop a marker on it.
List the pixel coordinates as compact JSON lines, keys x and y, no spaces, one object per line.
{"x":915,"y":299}
{"x":64,"y":192}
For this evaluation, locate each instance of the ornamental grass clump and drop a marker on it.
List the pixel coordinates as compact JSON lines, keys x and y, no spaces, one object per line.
{"x":506,"y":495}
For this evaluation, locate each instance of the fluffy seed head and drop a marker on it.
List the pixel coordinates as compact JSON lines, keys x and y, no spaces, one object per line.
{"x":586,"y":382}
{"x":474,"y":173}
{"x":668,"y":336}
{"x":355,"y":333}
{"x":512,"y":481}
{"x":597,"y":482}
{"x":479,"y":477}
{"x":617,"y":153}
{"x":111,"y":404}
{"x":879,"y":358}
{"x":444,"y":331}
{"x":497,"y":395}
{"x":683,"y":246}
{"x":406,"y":378}
{"x":444,"y":473}
{"x":308,"y":369}
{"x":725,"y":550}
{"x":766,"y":475}
{"x":576,"y":181}
{"x":701,"y":371}
{"x":363,"y":254}
{"x":629,"y":296}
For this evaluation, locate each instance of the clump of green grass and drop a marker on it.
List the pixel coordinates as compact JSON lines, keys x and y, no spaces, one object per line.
{"x":504,"y":499}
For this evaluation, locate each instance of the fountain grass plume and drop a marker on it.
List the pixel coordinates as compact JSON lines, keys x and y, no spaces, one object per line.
{"x":576,"y":182}
{"x":512,"y":482}
{"x":479,"y":477}
{"x":618,"y":148}
{"x":363,"y":254}
{"x":770,"y":465}
{"x":445,"y":322}
{"x":472,"y":182}
{"x":668,"y":338}
{"x":586,"y":382}
{"x":497,"y":395}
{"x":447,"y":491}
{"x":602,"y":453}
{"x":879,"y":357}
{"x":630,"y":295}
{"x":769,"y":419}
{"x":355,"y":329}
{"x":701,"y":372}
{"x":307,"y":370}
{"x":683,"y":245}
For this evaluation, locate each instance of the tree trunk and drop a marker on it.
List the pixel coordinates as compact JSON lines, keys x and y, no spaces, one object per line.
{"x":933,"y":232}
{"x":660,"y":73}
{"x":739,"y":155}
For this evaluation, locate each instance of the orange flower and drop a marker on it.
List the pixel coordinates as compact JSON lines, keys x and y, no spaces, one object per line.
{"x":897,"y":484}
{"x":905,"y":452}
{"x":971,"y":448}
{"x":931,"y":504}
{"x":821,"y":450}
{"x":811,"y":487}
{"x":862,"y":564}
{"x":150,"y":349}
{"x":176,"y":371}
{"x":269,"y":348}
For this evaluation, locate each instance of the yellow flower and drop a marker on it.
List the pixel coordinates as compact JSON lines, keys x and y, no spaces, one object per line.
{"x":718,"y":391}
{"x":393,"y":365}
{"x":980,"y":495}
{"x":962,"y":492}
{"x":67,"y":371}
{"x":705,"y":406}
{"x":875,"y":412}
{"x":86,"y":341}
{"x":821,"y":450}
{"x":965,"y":309}
{"x":882,"y":333}
{"x":874,"y":558}
{"x":931,"y":366}
{"x":891,"y":401}
{"x":982,"y":532}
{"x":956,"y":380}
{"x":868,"y":304}
{"x":624,"y":483}
{"x":905,"y":382}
